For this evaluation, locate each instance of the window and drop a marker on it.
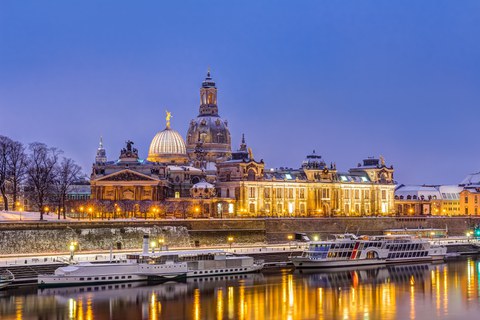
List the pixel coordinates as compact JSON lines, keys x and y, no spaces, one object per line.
{"x":302,"y":193}
{"x":466,"y":199}
{"x":347,"y":194}
{"x":279,"y":192}
{"x":228,"y":193}
{"x":325,"y":193}
{"x":357,"y":194}
{"x":177,"y":194}
{"x":267,"y":193}
{"x":302,"y":208}
{"x":290,"y":193}
{"x":252,"y":207}
{"x":252,"y":192}
{"x":279,"y":208}
{"x":384,"y":194}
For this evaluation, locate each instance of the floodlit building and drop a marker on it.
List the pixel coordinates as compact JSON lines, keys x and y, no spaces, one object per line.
{"x":203,"y":177}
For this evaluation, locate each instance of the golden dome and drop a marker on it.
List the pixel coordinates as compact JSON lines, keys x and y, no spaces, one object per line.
{"x":167,"y":146}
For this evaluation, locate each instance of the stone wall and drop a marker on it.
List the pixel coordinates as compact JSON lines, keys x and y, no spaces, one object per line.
{"x":52,"y":237}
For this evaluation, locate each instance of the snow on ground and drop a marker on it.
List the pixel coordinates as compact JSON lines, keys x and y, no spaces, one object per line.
{"x":6,"y":216}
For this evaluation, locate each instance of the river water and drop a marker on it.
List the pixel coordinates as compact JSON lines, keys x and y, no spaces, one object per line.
{"x":421,"y":291}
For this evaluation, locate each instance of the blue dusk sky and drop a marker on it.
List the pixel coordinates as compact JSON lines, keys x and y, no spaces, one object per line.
{"x":350,"y":79}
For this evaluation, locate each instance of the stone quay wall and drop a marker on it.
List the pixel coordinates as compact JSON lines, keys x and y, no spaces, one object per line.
{"x":50,"y":237}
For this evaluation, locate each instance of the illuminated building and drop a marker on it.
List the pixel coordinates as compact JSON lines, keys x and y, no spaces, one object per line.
{"x":411,"y":200}
{"x":204,"y":178}
{"x":470,"y":195}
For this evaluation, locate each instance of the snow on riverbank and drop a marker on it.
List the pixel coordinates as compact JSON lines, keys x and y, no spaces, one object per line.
{"x":28,"y":216}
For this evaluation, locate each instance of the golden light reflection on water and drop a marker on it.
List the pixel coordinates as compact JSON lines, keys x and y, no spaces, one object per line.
{"x":394,"y":292}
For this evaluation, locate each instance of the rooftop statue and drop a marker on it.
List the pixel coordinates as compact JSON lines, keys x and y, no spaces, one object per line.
{"x":168,"y":117}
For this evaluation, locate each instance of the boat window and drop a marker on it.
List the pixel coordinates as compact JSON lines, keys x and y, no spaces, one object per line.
{"x":81,"y":279}
{"x":123,"y":277}
{"x":129,"y":277}
{"x":103,"y":278}
{"x":109,"y":278}
{"x":116,"y":277}
{"x":89,"y":279}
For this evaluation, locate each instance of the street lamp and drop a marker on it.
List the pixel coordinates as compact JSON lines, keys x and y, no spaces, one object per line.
{"x":73,"y":244}
{"x":161,"y":243}
{"x":90,"y":210}
{"x":153,"y":244}
{"x":230,"y":241}
{"x":81,"y":210}
{"x":290,"y":238}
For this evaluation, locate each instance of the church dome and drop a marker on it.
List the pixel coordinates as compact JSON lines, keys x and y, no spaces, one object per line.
{"x":167,"y":146}
{"x":202,"y":189}
{"x":209,"y":132}
{"x":313,"y":161}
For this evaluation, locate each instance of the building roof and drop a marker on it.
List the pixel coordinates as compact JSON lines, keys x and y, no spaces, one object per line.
{"x":473,"y":178}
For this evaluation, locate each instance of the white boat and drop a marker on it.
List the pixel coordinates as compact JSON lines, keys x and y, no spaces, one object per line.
{"x":6,"y":278}
{"x":137,"y":267}
{"x":349,"y":250}
{"x":162,"y":265}
{"x":212,"y":262}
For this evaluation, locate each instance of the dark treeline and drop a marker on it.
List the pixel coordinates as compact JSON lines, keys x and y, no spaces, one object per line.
{"x":37,"y":172}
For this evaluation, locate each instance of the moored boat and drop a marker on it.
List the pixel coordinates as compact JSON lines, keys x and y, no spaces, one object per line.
{"x":350,"y":250}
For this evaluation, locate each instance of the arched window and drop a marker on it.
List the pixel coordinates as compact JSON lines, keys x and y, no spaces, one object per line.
{"x":409,"y":197}
{"x":251,"y":175}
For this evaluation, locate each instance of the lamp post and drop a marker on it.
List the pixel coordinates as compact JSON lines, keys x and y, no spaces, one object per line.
{"x":72,"y":246}
{"x":153,"y":244}
{"x":290,"y":238}
{"x":81,"y":211}
{"x":230,"y":241}
{"x":161,"y":243}
{"x":90,"y":211}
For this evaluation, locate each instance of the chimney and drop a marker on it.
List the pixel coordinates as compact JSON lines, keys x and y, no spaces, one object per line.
{"x":145,"y":245}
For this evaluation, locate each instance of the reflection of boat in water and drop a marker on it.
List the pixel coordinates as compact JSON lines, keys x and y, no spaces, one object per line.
{"x":141,"y":291}
{"x":366,"y":275}
{"x":350,"y":250}
{"x":6,"y":278}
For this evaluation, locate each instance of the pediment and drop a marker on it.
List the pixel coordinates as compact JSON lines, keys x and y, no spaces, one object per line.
{"x":127,"y":175}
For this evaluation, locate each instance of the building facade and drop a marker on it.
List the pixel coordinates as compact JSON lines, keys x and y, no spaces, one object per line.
{"x":204,"y":178}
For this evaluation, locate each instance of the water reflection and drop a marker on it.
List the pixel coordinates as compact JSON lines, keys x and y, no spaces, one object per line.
{"x":390,"y":292}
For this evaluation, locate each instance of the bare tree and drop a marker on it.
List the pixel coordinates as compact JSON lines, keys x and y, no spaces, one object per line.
{"x":66,"y":173}
{"x":5,"y":143}
{"x":42,"y":161}
{"x":17,"y":167}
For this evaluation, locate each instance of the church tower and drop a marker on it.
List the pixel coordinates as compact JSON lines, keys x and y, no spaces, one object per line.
{"x":208,"y":129}
{"x":101,"y":156}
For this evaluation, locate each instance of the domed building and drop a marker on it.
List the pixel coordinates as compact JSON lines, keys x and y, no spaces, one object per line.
{"x":168,"y":146}
{"x":208,"y":136}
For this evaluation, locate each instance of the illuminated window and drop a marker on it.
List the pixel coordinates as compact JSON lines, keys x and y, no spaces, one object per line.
{"x":252,"y":207}
{"x":267,"y":193}
{"x":279,"y":192}
{"x":288,"y":176}
{"x":384,"y":194}
{"x":290,"y":193}
{"x":302,"y":193}
{"x":230,"y":208}
{"x":177,"y":194}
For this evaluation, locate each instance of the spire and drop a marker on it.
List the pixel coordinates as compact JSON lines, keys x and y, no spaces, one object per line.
{"x":243,"y":145}
{"x":101,"y":156}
